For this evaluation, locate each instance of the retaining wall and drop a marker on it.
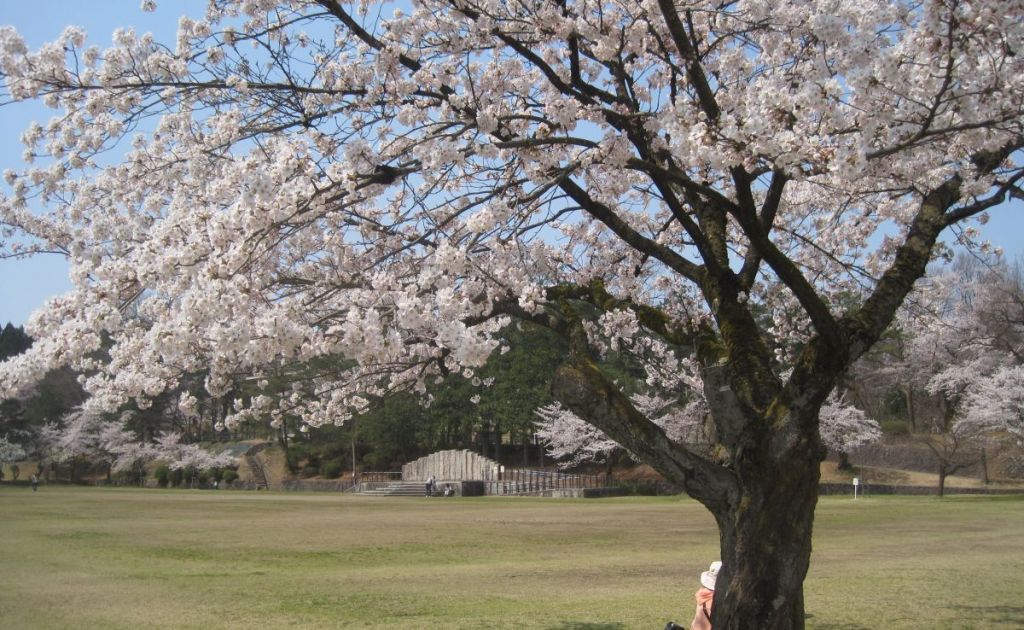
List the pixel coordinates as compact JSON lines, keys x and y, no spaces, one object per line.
{"x":454,"y":465}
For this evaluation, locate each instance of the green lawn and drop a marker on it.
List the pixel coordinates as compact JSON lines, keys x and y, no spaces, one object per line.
{"x":109,"y":558}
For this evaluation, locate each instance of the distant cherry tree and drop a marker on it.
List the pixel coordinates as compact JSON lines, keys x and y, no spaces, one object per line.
{"x":357,"y":199}
{"x":993,"y":402}
{"x":10,"y":452}
{"x":572,"y":441}
{"x":845,"y":427}
{"x":997,"y":403}
{"x":88,"y":437}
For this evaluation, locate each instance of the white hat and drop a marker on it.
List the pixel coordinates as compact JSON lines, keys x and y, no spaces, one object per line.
{"x":708,"y":577}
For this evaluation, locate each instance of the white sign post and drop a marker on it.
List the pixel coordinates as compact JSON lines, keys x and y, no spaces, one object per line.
{"x":856,"y":482}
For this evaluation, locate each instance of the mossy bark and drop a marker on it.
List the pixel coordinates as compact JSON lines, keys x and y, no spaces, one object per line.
{"x":766,"y":545}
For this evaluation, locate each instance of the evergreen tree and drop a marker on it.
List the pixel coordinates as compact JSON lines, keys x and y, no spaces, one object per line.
{"x":13,"y":341}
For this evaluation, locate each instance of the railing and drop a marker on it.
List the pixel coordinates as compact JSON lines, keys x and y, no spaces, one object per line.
{"x":379,"y":477}
{"x":525,"y":481}
{"x":510,"y":481}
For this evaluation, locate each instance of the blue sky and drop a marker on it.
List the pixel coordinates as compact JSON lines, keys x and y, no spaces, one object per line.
{"x":25,"y":285}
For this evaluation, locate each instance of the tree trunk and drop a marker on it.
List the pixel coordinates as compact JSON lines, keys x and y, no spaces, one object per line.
{"x":766,"y":548}
{"x":942,"y":480}
{"x":761,"y":486}
{"x":844,"y":461}
{"x":908,"y":395}
{"x":354,"y":434}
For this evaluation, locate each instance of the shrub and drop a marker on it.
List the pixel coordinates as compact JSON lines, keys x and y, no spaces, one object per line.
{"x":177,"y":476}
{"x":310,"y":471}
{"x":301,"y":455}
{"x":217,"y":474}
{"x":332,"y":469}
{"x":229,"y":476}
{"x":134,"y":476}
{"x":162,"y":475}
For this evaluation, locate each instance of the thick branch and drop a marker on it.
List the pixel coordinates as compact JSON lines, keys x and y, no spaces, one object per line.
{"x":866,"y":325}
{"x":785,"y":268}
{"x":770,"y":207}
{"x":582,"y":387}
{"x":694,"y":71}
{"x":641,"y":243}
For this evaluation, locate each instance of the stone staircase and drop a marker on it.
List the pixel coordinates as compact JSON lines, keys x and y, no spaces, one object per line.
{"x":394,"y":489}
{"x":259,"y":476}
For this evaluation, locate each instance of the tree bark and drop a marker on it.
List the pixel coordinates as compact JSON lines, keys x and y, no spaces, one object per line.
{"x":766,"y":548}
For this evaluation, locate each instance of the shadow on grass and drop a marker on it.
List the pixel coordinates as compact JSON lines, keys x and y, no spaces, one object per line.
{"x":1010,"y":615}
{"x":586,"y":625}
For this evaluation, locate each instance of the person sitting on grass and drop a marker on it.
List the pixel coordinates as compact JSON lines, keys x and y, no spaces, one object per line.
{"x":705,"y":600}
{"x":705,"y":597}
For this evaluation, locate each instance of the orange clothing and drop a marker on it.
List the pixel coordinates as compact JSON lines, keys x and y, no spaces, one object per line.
{"x":702,"y":618}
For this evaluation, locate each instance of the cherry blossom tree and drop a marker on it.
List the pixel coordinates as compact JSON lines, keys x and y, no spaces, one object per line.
{"x":179,"y":456}
{"x":570,"y":440}
{"x":74,"y":440}
{"x":358,"y":198}
{"x":10,"y":452}
{"x":997,"y":403}
{"x":984,"y":373}
{"x":845,"y":427}
{"x":972,"y":332}
{"x":88,"y":436}
{"x":968,"y":335}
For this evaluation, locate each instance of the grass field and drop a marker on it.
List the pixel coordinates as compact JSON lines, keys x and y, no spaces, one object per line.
{"x":118,"y":558}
